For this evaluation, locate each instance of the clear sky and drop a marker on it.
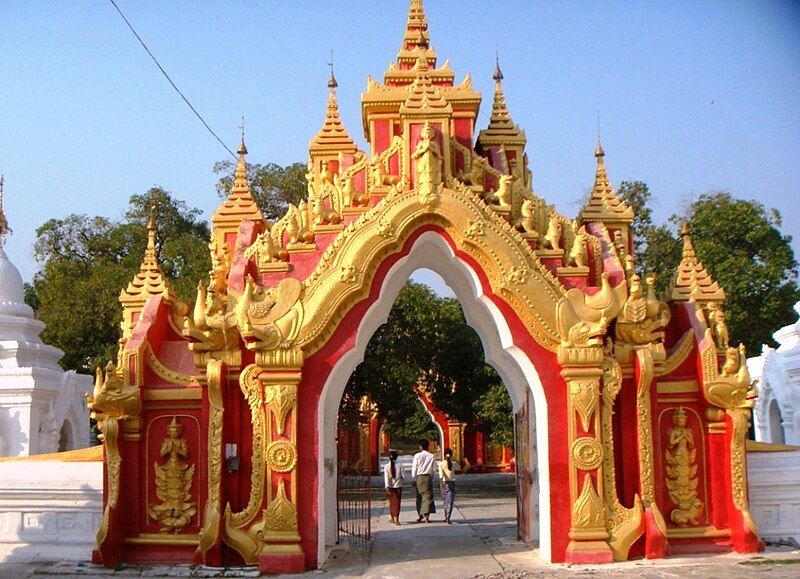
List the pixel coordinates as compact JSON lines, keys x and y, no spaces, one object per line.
{"x":693,"y":96}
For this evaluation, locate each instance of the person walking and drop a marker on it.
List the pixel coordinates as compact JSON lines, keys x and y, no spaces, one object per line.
{"x":393,"y":475}
{"x":447,"y":482}
{"x":422,"y":468}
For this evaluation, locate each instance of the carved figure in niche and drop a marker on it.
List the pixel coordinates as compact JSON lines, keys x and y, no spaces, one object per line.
{"x":381,"y":177}
{"x":265,"y":251}
{"x":220,"y":263}
{"x":502,"y":196}
{"x":476,"y":171}
{"x":174,"y":481}
{"x":526,"y":173}
{"x":730,"y":366}
{"x":552,"y":239}
{"x":578,"y":254}
{"x":48,"y":430}
{"x":681,"y":456}
{"x":620,"y":245}
{"x":326,"y":174}
{"x":428,"y":159}
{"x":527,"y":220}
{"x":719,"y":329}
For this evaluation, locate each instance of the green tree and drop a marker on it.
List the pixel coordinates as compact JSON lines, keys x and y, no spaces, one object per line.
{"x":273,"y":187}
{"x":86,"y":261}
{"x":741,"y":245}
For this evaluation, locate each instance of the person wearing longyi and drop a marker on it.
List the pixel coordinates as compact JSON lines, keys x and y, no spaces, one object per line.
{"x":393,"y":475}
{"x":422,"y":468}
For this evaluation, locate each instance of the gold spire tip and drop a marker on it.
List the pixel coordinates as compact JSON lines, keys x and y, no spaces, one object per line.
{"x":498,"y":74}
{"x":332,"y":84}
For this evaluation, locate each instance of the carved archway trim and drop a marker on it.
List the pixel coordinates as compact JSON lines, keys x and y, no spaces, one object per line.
{"x":346,"y":270}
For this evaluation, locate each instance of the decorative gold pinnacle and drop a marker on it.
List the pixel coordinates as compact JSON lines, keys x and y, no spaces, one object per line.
{"x":150,"y":279}
{"x":603,"y":204}
{"x":425,"y":98}
{"x":333,"y":136}
{"x":501,"y":130}
{"x":692,"y":279}
{"x":239,"y":205}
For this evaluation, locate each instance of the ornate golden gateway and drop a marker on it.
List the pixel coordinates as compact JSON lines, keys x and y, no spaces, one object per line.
{"x":255,"y":361}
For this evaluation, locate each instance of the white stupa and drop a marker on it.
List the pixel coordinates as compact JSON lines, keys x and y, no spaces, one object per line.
{"x":42,"y":407}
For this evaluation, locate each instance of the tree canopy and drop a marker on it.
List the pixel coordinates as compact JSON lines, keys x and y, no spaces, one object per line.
{"x":86,"y":261}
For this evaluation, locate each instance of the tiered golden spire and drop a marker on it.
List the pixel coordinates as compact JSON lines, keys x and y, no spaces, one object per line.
{"x":692,"y":279}
{"x":416,"y":40}
{"x":603,"y":204}
{"x":501,"y":129}
{"x":333,"y":135}
{"x":4,"y":228}
{"x":150,"y":279}
{"x":239,"y":205}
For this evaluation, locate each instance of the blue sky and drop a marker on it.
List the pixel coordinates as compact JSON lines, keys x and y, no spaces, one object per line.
{"x":693,"y":96}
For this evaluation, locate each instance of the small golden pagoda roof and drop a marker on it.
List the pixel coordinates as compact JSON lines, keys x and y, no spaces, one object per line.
{"x":333,"y":135}
{"x":239,"y":205}
{"x":425,"y":97}
{"x":603,"y":204}
{"x":150,"y":279}
{"x":501,"y":130}
{"x":692,"y":279}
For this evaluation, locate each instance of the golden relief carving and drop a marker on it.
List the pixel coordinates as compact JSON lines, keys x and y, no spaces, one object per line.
{"x":174,"y":480}
{"x":740,"y":418}
{"x":582,"y":319}
{"x":644,"y":426}
{"x":165,"y":373}
{"x":269,"y":318}
{"x":587,"y":453}
{"x":280,"y":398}
{"x":212,"y":325}
{"x":209,"y":534}
{"x":280,"y":518}
{"x":682,"y":481}
{"x":252,"y":389}
{"x":428,"y":167}
{"x":624,"y":525}
{"x":585,"y":395}
{"x":588,"y":511}
{"x":281,"y":456}
{"x":326,"y":298}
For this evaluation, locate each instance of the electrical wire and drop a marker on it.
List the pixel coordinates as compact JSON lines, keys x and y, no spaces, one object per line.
{"x":164,"y":72}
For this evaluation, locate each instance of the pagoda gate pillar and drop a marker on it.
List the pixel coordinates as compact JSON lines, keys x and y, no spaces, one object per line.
{"x":582,"y":370}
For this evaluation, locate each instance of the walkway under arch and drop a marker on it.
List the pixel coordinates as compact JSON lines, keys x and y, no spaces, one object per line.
{"x":431,"y":251}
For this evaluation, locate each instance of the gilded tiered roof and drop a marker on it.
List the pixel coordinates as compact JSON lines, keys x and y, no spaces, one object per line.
{"x":692,"y":279}
{"x":603,"y":204}
{"x":333,"y":135}
{"x":239,"y":205}
{"x":426,"y":99}
{"x":150,"y":279}
{"x":501,"y":129}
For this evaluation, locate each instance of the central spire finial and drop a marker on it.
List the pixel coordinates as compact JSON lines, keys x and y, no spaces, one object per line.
{"x":332,"y":84}
{"x":498,"y":74}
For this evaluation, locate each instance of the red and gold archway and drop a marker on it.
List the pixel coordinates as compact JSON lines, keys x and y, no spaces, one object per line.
{"x":216,"y":418}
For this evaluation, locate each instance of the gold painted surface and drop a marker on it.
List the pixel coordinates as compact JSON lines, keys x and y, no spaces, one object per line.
{"x":677,"y":356}
{"x":280,"y":519}
{"x":172,"y":394}
{"x":682,"y":387}
{"x":155,"y":539}
{"x":588,"y":513}
{"x":282,"y":456}
{"x":698,"y":532}
{"x":209,"y":534}
{"x":165,"y":373}
{"x":644,"y":426}
{"x":174,"y":480}
{"x":681,"y":472}
{"x":587,"y":453}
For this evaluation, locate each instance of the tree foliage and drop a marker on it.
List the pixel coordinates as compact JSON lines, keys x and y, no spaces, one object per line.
{"x":273,"y":187}
{"x":86,"y":261}
{"x":427,"y":342}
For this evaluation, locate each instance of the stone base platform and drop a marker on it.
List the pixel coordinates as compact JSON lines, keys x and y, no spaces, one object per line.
{"x":774,"y":476}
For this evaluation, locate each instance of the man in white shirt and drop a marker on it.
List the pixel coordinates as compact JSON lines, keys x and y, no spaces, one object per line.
{"x":422,"y":468}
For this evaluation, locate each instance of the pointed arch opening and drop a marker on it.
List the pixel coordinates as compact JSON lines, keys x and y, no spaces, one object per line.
{"x":431,"y":251}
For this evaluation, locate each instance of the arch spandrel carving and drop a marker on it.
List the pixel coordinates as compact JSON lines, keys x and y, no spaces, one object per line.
{"x":347,"y":268}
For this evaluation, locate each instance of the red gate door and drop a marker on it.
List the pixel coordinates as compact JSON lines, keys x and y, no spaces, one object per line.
{"x":522,"y":451}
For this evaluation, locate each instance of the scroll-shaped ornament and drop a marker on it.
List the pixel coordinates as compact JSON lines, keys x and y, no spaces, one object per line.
{"x":682,"y":481}
{"x":174,"y":481}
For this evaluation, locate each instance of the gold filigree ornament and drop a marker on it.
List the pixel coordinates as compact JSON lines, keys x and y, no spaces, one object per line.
{"x":587,"y":453}
{"x":585,"y":395}
{"x":282,"y":456}
{"x":280,"y":518}
{"x":588,"y":512}
{"x":174,"y":480}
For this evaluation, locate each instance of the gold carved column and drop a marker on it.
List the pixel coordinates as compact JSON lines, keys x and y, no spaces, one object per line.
{"x":582,"y":370}
{"x":265,"y":532}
